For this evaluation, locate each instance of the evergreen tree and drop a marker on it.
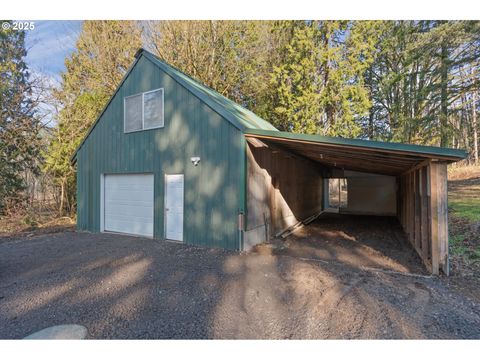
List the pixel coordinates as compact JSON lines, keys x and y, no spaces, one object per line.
{"x":19,"y":125}
{"x":348,"y":50}
{"x":319,"y":81}
{"x":416,"y":84}
{"x":297,"y":99}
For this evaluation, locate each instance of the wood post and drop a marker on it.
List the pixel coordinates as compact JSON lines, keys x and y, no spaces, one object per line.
{"x":418,"y":241}
{"x":442,"y":207}
{"x":423,"y":213}
{"x":433,"y":200}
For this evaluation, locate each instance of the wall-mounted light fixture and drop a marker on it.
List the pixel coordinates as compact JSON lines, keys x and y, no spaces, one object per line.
{"x":195,"y":160}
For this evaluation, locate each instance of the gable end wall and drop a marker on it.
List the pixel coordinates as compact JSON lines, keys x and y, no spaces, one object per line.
{"x":212,"y":188}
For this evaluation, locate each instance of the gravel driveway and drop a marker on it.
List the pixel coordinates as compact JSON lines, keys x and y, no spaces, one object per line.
{"x":128,"y":287}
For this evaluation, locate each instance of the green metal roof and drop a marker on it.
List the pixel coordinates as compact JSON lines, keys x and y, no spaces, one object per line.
{"x":239,"y":116}
{"x":249,"y":123}
{"x":428,"y":151}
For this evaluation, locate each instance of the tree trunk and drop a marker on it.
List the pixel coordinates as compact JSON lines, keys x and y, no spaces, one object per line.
{"x":371,"y":112}
{"x":326,"y":81}
{"x":62,"y":197}
{"x":444,"y":140}
{"x":474,"y":126}
{"x":371,"y":131}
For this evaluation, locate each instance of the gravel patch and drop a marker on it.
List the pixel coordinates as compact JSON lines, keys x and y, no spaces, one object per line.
{"x":122,"y":287}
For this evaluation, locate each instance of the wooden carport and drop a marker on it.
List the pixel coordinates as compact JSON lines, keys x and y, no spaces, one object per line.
{"x":421,"y":173}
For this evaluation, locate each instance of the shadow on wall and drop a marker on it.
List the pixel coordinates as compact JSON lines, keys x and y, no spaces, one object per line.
{"x":191,"y":129}
{"x":211,"y":200}
{"x":282,"y":189}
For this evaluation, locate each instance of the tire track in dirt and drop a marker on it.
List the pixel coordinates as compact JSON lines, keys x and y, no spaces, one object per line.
{"x":408,"y":324}
{"x":403,"y":305}
{"x":327,"y":314}
{"x":356,"y":308}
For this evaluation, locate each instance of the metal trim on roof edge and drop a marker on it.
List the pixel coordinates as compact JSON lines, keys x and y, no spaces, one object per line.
{"x":440,"y":152}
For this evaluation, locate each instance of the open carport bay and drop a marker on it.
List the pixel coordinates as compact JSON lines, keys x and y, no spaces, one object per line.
{"x":289,"y":182}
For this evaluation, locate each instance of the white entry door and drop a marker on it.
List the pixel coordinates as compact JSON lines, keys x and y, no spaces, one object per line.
{"x":128,"y":203}
{"x":174,"y":207}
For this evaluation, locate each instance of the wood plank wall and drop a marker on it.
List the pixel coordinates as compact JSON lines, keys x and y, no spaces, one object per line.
{"x":423,"y":213}
{"x":282,"y":189}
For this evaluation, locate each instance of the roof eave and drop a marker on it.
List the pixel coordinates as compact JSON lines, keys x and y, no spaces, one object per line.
{"x":450,"y":155}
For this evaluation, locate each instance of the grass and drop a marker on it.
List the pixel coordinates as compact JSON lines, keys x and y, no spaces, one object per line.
{"x":468,"y":209}
{"x":456,"y":243}
{"x":464,"y":214}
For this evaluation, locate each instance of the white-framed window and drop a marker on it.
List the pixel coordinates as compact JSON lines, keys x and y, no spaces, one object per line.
{"x":143,"y":111}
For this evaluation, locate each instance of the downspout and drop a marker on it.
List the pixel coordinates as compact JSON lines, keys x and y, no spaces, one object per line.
{"x":242,"y":192}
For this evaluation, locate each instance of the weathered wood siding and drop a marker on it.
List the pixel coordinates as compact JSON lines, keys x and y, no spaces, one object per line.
{"x":214,"y":190}
{"x":423,"y":213}
{"x":282,"y":189}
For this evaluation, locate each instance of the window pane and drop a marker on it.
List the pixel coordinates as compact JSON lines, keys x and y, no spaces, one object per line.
{"x":133,"y":113}
{"x":153,"y":109}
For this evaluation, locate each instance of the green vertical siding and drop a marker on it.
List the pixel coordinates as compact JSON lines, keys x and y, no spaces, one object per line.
{"x":212,"y":198}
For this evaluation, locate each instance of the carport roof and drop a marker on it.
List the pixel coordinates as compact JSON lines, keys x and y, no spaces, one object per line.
{"x":356,"y":154}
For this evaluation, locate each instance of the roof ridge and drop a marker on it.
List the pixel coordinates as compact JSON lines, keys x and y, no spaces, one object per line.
{"x":247,"y":118}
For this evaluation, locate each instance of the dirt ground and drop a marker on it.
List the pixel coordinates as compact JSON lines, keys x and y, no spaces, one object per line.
{"x":128,"y":287}
{"x":35,"y":223}
{"x":358,"y":241}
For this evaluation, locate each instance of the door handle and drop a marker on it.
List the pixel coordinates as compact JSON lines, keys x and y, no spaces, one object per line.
{"x":167,"y":209}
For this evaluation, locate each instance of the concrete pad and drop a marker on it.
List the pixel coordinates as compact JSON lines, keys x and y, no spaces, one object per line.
{"x":60,"y":332}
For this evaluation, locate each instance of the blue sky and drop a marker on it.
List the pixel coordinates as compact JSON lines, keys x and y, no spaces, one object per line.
{"x":48,"y":45}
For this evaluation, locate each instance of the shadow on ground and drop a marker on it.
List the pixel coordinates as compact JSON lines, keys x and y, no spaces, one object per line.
{"x":127,"y":287}
{"x":359,"y":241}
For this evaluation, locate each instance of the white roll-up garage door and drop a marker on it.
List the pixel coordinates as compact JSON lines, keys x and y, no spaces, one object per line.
{"x":129,"y":204}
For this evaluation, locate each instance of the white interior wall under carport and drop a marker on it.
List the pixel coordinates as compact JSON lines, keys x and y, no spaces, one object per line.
{"x":368,"y":194}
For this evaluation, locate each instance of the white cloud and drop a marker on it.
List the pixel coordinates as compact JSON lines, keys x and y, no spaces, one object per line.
{"x":49,"y":43}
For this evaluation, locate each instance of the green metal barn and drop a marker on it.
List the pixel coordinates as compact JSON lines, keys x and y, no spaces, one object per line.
{"x":169,"y":158}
